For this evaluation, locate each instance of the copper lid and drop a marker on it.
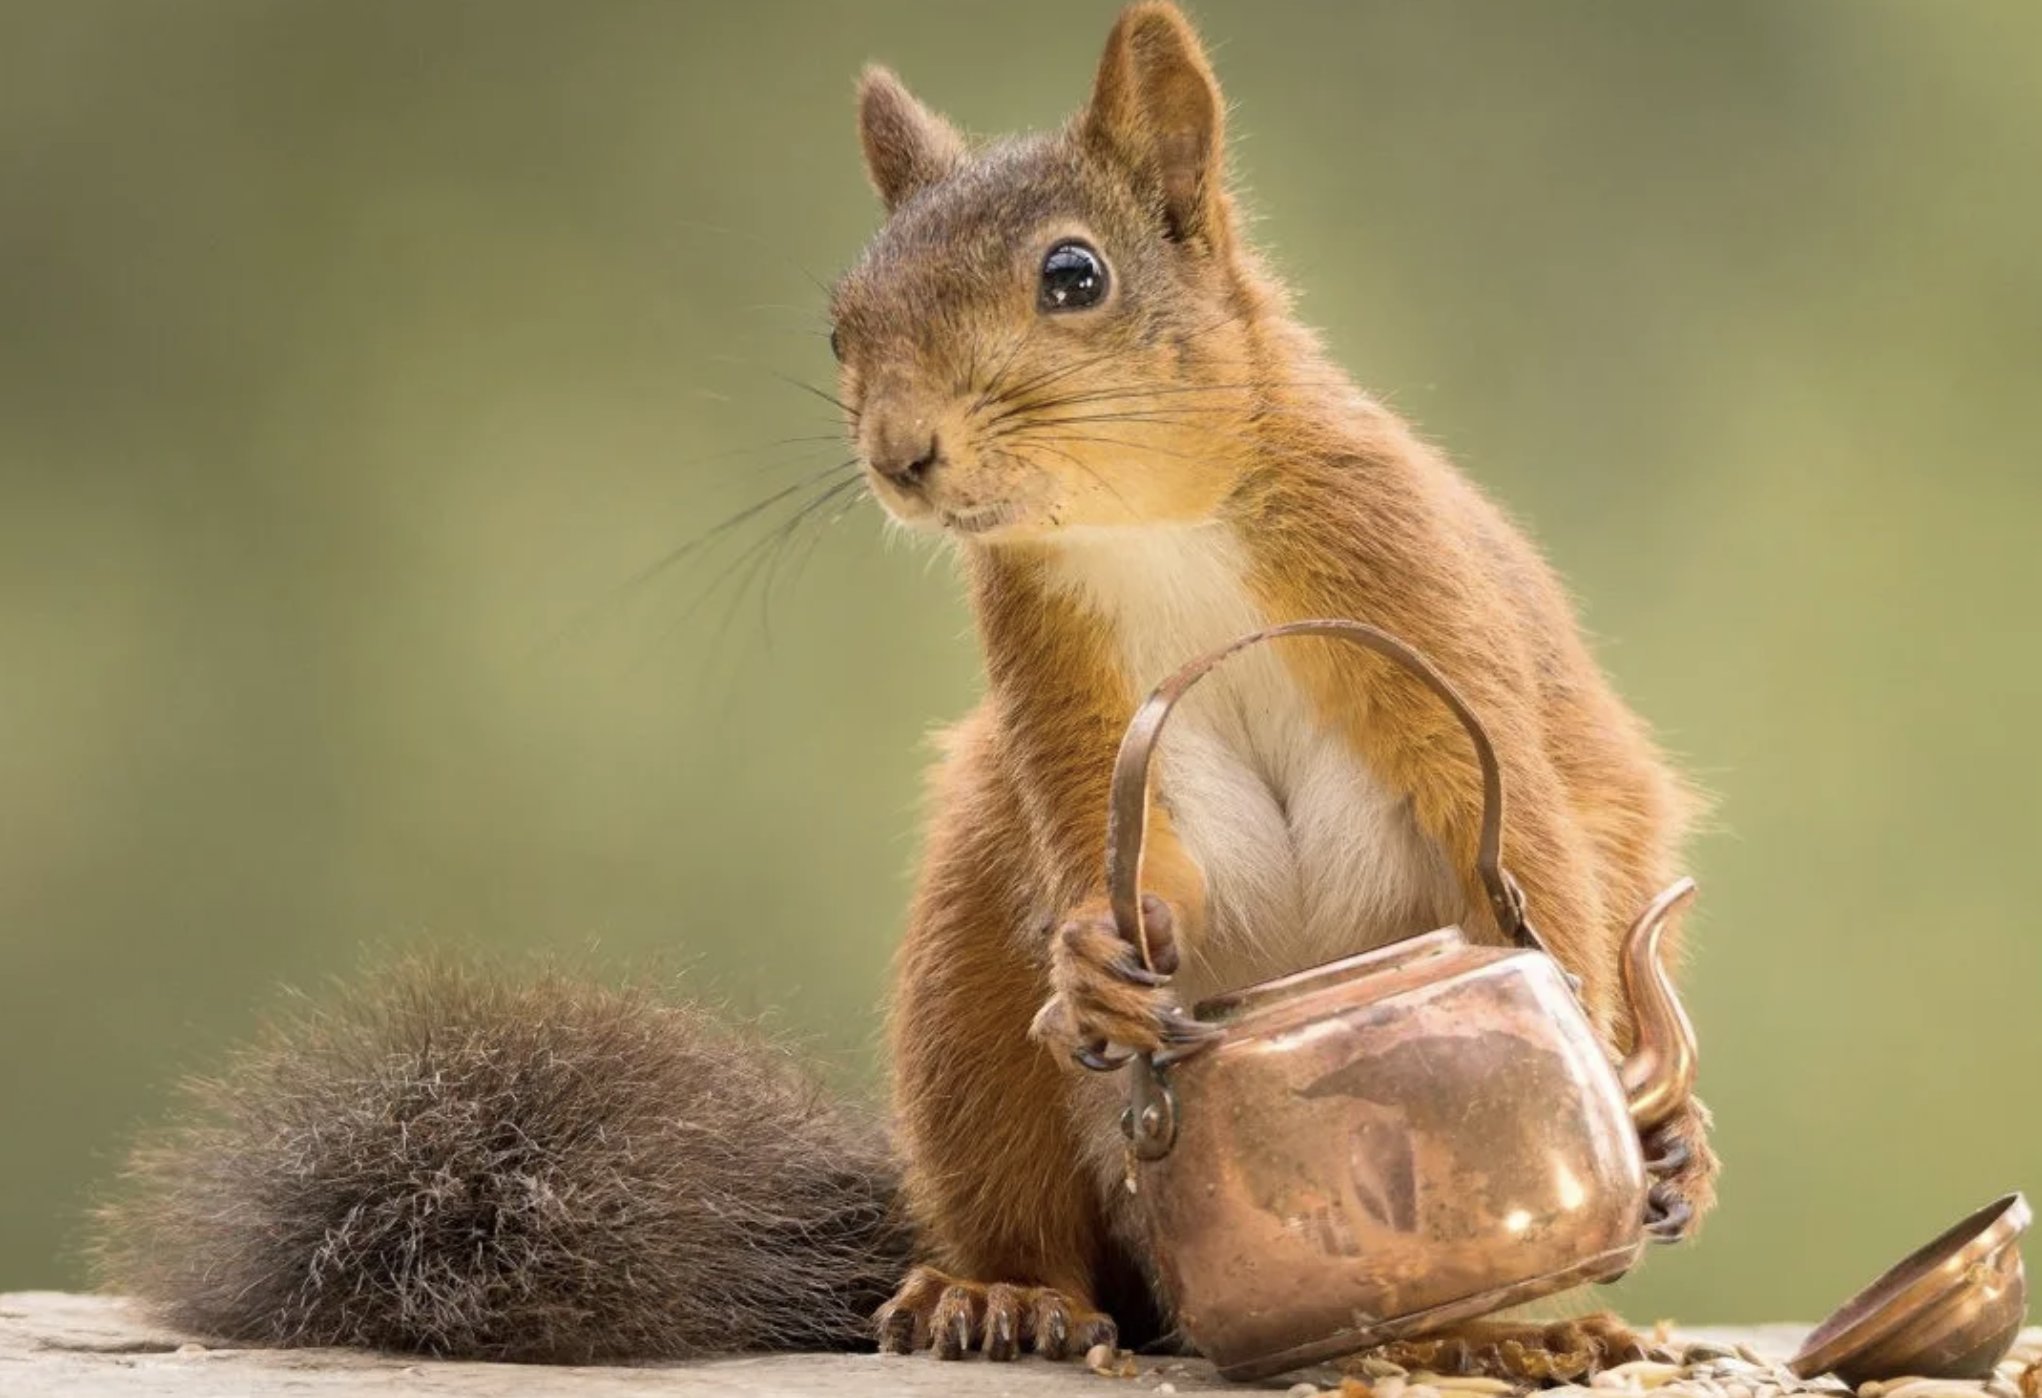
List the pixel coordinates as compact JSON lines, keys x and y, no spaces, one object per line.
{"x":1949,"y":1310}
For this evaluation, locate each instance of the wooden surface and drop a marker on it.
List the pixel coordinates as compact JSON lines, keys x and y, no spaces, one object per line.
{"x":54,"y":1345}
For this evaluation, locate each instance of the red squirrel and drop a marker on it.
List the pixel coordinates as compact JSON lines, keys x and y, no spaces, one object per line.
{"x":1060,"y":352}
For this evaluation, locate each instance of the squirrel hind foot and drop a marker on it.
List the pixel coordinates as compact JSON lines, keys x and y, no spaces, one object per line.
{"x":1514,"y":1351}
{"x":935,"y":1311}
{"x":457,"y":1161}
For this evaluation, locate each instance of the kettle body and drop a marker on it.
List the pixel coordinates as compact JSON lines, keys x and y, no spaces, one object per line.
{"x":1387,"y":1144}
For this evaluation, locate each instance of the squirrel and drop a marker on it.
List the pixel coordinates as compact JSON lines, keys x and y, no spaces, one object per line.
{"x":1059,"y":353}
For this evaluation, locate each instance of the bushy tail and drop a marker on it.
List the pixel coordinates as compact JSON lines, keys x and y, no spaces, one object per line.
{"x":459,"y":1162}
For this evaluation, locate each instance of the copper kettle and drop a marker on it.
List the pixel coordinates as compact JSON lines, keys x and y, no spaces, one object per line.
{"x":1397,"y":1141}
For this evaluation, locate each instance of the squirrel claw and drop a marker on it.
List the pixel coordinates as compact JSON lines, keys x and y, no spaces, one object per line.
{"x":1130,"y":969}
{"x":1181,"y":1031}
{"x":951,"y":1318}
{"x":896,"y":1327}
{"x":1667,"y":1216}
{"x":956,"y":1320}
{"x":1101,"y":1057}
{"x":1682,"y":1169}
{"x":1002,"y":1324}
{"x":1669,"y":1161}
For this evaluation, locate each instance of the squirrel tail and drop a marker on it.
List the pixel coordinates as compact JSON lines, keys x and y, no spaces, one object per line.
{"x":454,"y":1161}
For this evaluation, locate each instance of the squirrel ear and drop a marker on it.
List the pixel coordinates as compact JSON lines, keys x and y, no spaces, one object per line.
{"x":907,"y":146}
{"x":1156,"y":110}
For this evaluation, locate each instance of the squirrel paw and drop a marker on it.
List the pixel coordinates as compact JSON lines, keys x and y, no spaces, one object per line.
{"x":1105,"y":1005}
{"x":1683,"y":1173}
{"x":1517,"y":1351}
{"x":933,"y":1310}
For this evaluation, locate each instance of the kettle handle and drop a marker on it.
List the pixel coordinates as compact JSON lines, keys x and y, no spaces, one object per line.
{"x":1127,"y":815}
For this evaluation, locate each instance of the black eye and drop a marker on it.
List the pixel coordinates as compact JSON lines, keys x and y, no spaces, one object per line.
{"x":837,"y":344}
{"x":1073,"y":277}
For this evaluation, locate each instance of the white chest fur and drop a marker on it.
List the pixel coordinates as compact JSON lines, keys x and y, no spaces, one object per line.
{"x":1307,"y":855}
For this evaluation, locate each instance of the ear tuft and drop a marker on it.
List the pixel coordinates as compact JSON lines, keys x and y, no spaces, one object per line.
{"x":1156,"y":110}
{"x":907,"y":146}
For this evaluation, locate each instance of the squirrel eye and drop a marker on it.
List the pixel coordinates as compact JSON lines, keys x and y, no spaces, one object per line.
{"x":836,"y":344}
{"x":1073,"y":277}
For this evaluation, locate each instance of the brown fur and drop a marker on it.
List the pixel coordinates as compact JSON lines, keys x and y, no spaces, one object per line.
{"x":1190,"y":396}
{"x":462,"y":1163}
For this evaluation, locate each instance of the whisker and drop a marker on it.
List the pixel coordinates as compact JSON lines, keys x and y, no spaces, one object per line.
{"x":1102,"y":392}
{"x":1024,"y":437}
{"x":850,"y":500}
{"x":1055,"y":373}
{"x":1203,"y":416}
{"x":776,"y":556}
{"x":746,"y":567}
{"x":758,"y":242}
{"x":750,"y":512}
{"x":1078,"y":462}
{"x":1153,"y":417}
{"x":1180,"y":397}
{"x":694,"y":547}
{"x":1218,"y":431}
{"x":993,"y":384}
{"x":805,"y":516}
{"x":1063,"y":371}
{"x":830,"y":398}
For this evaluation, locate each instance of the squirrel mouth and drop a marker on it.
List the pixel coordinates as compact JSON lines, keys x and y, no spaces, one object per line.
{"x":977,"y":519}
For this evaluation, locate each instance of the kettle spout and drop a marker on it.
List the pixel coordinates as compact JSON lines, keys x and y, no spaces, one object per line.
{"x":1660,"y":1072}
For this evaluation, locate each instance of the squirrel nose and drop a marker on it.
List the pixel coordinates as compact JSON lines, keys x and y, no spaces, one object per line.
{"x":905,"y":458}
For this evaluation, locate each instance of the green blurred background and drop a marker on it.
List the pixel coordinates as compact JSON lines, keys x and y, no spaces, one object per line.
{"x":356,"y":356}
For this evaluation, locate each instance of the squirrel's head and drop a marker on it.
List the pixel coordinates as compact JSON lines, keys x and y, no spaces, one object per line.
{"x":1054,"y":331}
